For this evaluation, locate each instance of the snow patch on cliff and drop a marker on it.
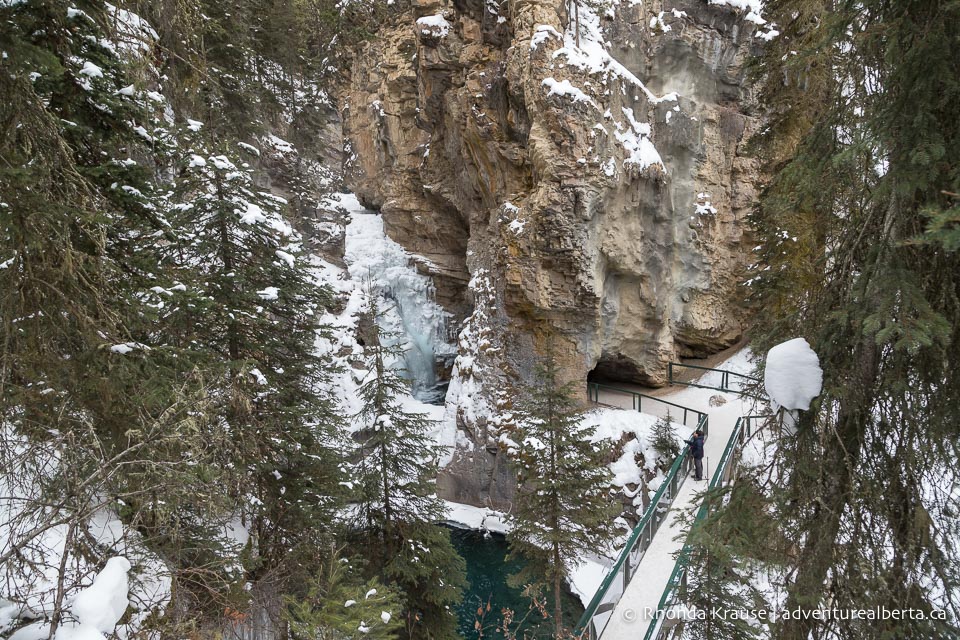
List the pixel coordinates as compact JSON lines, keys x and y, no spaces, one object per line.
{"x":542,"y":33}
{"x":566,"y":89}
{"x":436,"y":26}
{"x":467,"y":401}
{"x":635,"y":139}
{"x":593,"y":57}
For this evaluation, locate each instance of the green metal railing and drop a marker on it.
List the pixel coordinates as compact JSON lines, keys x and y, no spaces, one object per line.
{"x":730,"y":381}
{"x":655,"y":406}
{"x":598,"y":612}
{"x":723,"y":475}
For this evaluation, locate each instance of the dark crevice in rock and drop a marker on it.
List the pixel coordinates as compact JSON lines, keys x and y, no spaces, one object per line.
{"x":613,"y":368}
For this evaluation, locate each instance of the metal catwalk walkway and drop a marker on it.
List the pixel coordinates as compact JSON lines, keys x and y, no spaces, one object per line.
{"x":636,"y":608}
{"x":627,"y":600}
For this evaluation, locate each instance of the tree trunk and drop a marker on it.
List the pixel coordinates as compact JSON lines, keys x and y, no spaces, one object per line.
{"x":841,"y":454}
{"x":387,"y":511}
{"x":61,"y":578}
{"x":384,"y":458}
{"x":557,"y":584}
{"x":576,"y":22}
{"x":226,"y":255}
{"x":555,"y":524}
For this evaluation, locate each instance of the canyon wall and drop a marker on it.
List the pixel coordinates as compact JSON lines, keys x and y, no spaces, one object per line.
{"x":577,"y":183}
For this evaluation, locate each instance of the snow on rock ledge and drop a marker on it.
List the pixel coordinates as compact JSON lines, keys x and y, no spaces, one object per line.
{"x":476,"y":518}
{"x":433,"y":26}
{"x":793,"y":377}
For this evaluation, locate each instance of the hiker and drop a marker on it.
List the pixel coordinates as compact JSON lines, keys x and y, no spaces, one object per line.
{"x":696,"y":450}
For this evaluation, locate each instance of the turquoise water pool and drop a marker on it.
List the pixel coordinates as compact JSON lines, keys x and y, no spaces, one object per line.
{"x":487,"y":571}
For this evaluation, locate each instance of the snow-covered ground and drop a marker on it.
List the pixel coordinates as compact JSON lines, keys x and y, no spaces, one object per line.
{"x":31,"y":594}
{"x":94,"y":611}
{"x":612,"y":424}
{"x":740,"y":362}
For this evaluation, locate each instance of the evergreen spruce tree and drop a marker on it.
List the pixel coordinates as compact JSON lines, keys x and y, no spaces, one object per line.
{"x":180,"y":390}
{"x":719,"y":575}
{"x":253,"y":310}
{"x":86,"y":376}
{"x":563,"y":508}
{"x":76,"y":196}
{"x":243,"y":68}
{"x":863,"y":150}
{"x":665,"y":441}
{"x":398,"y":509}
{"x":340,"y":604}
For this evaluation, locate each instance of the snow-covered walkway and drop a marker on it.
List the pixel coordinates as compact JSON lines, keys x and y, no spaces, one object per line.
{"x":636,"y":608}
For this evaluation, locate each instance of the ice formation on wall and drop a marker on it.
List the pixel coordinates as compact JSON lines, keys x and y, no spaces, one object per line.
{"x":409,"y":310}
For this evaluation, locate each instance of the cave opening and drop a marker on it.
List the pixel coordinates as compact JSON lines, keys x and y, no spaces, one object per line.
{"x":614,"y":368}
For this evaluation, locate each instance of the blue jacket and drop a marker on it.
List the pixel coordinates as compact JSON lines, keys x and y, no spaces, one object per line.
{"x":696,"y":447}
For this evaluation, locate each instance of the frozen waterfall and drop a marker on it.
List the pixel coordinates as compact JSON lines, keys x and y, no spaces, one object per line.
{"x":411,"y":315}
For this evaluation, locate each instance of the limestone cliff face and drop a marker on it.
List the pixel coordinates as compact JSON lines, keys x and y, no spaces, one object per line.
{"x":600,"y":186}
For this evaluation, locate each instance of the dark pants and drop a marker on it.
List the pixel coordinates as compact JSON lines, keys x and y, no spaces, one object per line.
{"x":698,"y":468}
